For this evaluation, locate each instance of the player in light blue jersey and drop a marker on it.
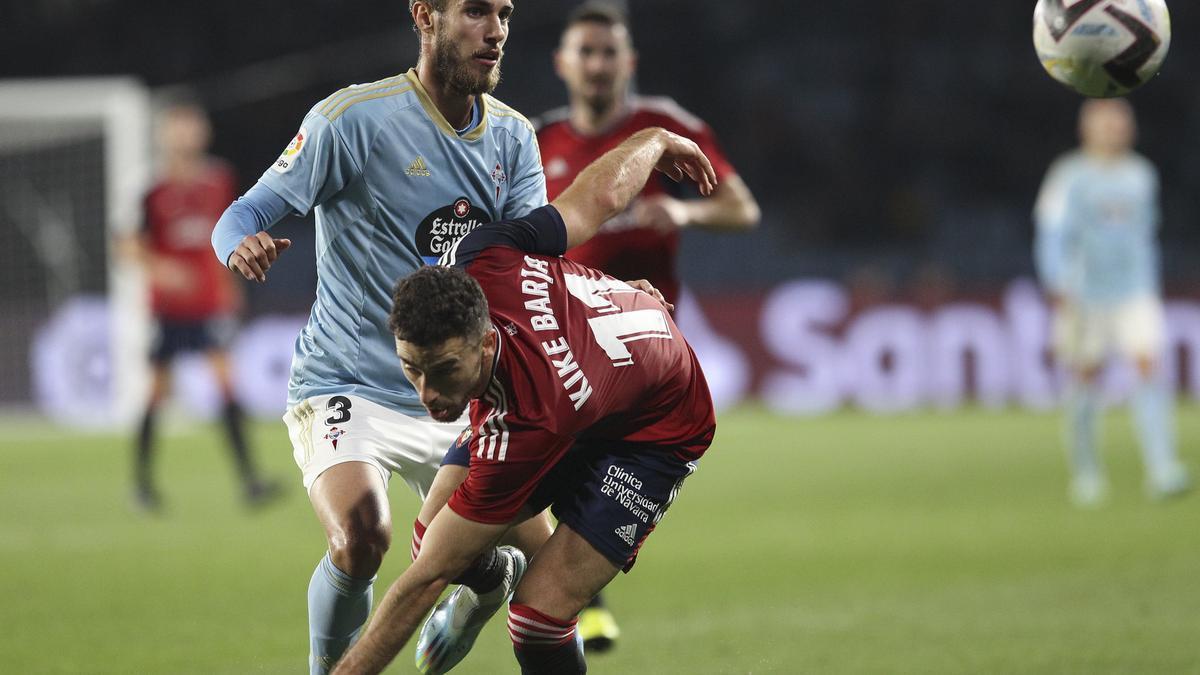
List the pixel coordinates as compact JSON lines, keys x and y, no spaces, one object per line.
{"x":395,"y":172}
{"x":1097,"y":257}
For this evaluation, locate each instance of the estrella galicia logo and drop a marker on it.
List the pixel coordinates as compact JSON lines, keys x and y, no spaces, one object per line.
{"x":440,"y":229}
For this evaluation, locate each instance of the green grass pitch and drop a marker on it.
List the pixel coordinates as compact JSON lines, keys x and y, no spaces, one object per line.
{"x":925,"y":543}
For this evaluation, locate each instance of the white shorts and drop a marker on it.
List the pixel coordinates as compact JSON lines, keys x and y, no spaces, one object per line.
{"x":329,"y":430}
{"x":1086,"y":336}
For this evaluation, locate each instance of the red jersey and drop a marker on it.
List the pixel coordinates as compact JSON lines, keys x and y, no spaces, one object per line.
{"x":580,"y":355}
{"x":178,"y":224}
{"x":624,"y":248}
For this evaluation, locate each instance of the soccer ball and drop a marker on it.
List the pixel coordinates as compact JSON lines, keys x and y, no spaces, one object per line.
{"x":1101,"y":48}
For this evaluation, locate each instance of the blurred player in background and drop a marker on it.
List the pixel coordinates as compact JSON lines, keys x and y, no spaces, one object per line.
{"x":596,"y":61}
{"x":1096,"y":253}
{"x":583,"y":395}
{"x":193,"y":298}
{"x":396,"y":171}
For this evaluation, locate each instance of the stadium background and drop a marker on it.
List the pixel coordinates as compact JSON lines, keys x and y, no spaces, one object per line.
{"x":895,"y":148}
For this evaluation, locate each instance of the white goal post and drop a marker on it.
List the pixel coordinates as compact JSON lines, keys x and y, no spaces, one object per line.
{"x":75,"y":159}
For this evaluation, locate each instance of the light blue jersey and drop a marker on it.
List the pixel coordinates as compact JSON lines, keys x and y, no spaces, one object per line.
{"x":1097,"y":225}
{"x":393,"y":186}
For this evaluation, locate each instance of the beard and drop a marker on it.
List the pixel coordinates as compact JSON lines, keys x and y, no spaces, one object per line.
{"x":600,"y":104}
{"x":458,"y":73}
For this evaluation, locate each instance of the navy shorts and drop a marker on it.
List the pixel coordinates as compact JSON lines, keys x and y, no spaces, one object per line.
{"x":613,"y":494}
{"x":176,"y":337}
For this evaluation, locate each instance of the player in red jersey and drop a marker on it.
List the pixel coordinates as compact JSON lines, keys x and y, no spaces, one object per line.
{"x":596,"y":61}
{"x":583,"y":396}
{"x":193,"y":298}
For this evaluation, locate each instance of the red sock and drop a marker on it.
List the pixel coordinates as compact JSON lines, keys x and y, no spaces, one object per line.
{"x":543,"y":644}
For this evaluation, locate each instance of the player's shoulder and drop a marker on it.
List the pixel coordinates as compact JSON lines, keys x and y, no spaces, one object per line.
{"x":368,"y":103}
{"x":1142,"y":164}
{"x":219,"y":169}
{"x":1067,"y":165}
{"x":664,"y":111}
{"x":505,"y":117}
{"x":552,"y":119}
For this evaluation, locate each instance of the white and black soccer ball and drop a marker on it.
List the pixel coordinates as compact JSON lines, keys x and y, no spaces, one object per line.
{"x":1101,"y":48}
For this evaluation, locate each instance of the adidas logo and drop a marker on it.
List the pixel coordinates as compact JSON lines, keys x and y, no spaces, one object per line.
{"x":417,"y":168}
{"x":626,"y":533}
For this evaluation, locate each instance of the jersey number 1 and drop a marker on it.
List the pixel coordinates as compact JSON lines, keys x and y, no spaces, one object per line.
{"x":614,"y":328}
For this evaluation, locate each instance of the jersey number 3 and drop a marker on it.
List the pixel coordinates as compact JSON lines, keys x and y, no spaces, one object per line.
{"x":615,"y":328}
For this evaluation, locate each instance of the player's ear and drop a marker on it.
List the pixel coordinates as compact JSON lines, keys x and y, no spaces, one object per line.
{"x":422,"y":16}
{"x":558,"y":67}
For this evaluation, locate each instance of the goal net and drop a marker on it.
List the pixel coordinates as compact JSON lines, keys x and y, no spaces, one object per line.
{"x":74,"y":160}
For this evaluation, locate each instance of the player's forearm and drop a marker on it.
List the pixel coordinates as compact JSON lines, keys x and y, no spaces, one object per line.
{"x":607,"y":185}
{"x":253,"y":212}
{"x":731,"y":207}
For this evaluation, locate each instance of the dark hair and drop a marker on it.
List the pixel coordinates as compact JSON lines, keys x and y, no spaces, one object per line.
{"x":435,"y":304}
{"x":597,"y":12}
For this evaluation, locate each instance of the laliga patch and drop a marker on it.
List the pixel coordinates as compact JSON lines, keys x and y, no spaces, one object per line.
{"x":288,"y":159}
{"x":440,"y":229}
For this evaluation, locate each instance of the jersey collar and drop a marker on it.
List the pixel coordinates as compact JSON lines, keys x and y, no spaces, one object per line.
{"x":436,"y":115}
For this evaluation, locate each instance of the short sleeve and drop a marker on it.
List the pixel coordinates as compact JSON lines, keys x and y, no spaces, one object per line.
{"x":528,"y":190}
{"x":314,"y":166}
{"x":541,"y":231}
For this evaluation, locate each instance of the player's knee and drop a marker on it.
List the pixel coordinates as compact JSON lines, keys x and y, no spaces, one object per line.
{"x":1146,"y":366}
{"x":1089,"y":374}
{"x":550,"y":598}
{"x":359,"y":548}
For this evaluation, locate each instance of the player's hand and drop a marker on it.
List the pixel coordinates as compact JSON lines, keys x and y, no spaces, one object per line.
{"x":255,"y":255}
{"x":646,"y":287}
{"x":681,"y":157}
{"x":661,"y":212}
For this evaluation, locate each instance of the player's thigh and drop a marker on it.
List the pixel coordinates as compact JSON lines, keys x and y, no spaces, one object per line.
{"x":565,"y":575}
{"x":1140,"y":328}
{"x":447,"y":480}
{"x":528,"y":534}
{"x":1081,"y":336}
{"x":334,"y":429}
{"x":531,"y":534}
{"x":350,"y":500}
